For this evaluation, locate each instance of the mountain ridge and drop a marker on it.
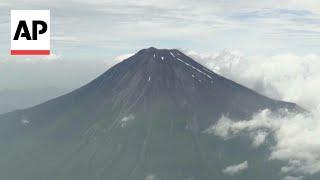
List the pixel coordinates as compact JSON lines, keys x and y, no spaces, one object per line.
{"x":143,"y":116}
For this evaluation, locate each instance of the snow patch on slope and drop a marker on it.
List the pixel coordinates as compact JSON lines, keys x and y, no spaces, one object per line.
{"x":150,"y":177}
{"x":194,"y":68}
{"x":124,"y":121}
{"x":25,"y":121}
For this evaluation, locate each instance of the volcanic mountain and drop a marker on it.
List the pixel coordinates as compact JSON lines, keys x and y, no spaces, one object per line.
{"x":144,"y":118}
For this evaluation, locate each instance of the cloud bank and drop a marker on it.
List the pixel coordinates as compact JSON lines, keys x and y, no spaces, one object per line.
{"x":287,"y":77}
{"x":295,"y":135}
{"x":235,"y":169}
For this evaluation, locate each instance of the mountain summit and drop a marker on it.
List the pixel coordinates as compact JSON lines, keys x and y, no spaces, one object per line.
{"x":144,"y":118}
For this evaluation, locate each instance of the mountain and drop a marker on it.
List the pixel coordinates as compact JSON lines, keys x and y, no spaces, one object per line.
{"x":13,"y":99}
{"x":144,"y":118}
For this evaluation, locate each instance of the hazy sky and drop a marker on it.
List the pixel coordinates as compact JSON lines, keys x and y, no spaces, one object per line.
{"x":97,"y":31}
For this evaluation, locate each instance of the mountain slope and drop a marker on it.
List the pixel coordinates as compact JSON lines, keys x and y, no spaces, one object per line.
{"x":141,"y":119}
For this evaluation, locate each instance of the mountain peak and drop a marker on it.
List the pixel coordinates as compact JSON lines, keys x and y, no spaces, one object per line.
{"x":158,"y":50}
{"x":145,"y":115}
{"x":162,"y":73}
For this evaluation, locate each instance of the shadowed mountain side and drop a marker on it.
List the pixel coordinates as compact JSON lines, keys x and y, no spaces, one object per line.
{"x":143,"y":118}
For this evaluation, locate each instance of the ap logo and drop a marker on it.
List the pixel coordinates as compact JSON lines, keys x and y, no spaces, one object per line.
{"x":30,"y":32}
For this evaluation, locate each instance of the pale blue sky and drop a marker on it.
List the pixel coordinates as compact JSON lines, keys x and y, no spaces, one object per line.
{"x":99,"y":30}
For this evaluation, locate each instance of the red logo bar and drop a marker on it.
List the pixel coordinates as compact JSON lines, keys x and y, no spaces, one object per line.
{"x":30,"y":52}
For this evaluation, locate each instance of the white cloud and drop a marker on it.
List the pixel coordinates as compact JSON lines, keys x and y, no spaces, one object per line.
{"x":227,"y":128}
{"x":235,"y":169}
{"x":293,"y":178}
{"x":117,"y":59}
{"x":259,"y":138}
{"x":251,"y":25}
{"x":25,"y":121}
{"x":295,"y":135}
{"x":123,"y":57}
{"x":150,"y":177}
{"x":287,"y":77}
